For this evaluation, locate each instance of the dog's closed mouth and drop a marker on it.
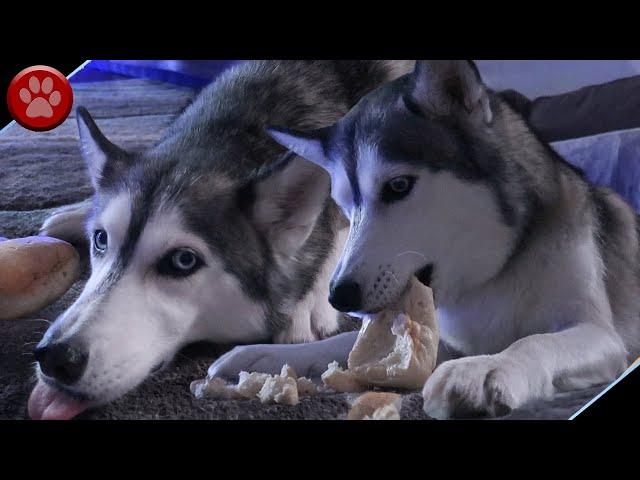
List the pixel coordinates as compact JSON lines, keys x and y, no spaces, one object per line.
{"x":47,"y":402}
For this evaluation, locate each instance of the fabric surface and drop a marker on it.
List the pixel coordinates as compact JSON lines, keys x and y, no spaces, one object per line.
{"x":43,"y":170}
{"x":588,"y":111}
{"x":535,"y":78}
{"x":611,"y":159}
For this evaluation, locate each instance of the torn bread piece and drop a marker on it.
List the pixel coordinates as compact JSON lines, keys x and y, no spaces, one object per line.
{"x":306,"y":386}
{"x":376,"y":406}
{"x":279,"y":389}
{"x":215,"y":388}
{"x":395,"y":348}
{"x":284,"y":389}
{"x":340,"y":380}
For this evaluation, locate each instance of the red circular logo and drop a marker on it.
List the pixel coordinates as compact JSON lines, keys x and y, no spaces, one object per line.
{"x":39,"y":98}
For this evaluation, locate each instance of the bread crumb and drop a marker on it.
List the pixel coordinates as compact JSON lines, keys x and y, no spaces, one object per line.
{"x":388,"y":412}
{"x":218,"y":388}
{"x":376,"y":406}
{"x":288,"y":371}
{"x":306,"y":386}
{"x":284,"y":389}
{"x":279,"y":389}
{"x":249,"y":384}
{"x":340,"y":380}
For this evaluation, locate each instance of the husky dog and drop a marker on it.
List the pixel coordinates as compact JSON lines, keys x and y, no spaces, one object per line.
{"x":209,"y":235}
{"x":536,"y":273}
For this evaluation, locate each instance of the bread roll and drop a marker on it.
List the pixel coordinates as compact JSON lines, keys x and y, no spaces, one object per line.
{"x":395,"y":348}
{"x":34,"y":272}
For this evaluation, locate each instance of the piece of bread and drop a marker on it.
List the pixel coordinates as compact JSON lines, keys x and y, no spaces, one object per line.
{"x":376,"y":406}
{"x":34,"y":272}
{"x":284,"y":389}
{"x":250,"y":384}
{"x":395,"y":348}
{"x":340,"y":380}
{"x":279,"y":389}
{"x":306,"y":386}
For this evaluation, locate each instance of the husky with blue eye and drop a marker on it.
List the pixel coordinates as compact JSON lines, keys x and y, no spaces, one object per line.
{"x":535,"y":272}
{"x":205,"y":236}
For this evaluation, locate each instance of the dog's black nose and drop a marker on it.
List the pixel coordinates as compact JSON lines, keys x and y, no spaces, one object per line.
{"x":346,"y":296}
{"x":61,"y":361}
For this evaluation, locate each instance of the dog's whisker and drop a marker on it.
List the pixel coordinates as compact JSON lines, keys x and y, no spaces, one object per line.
{"x":410,"y":252}
{"x":39,"y":320}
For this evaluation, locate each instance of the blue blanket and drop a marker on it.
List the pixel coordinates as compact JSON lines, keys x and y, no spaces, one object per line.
{"x":610,"y":159}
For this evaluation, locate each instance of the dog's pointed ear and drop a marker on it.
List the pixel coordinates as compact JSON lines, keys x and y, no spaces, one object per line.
{"x":104,"y":160}
{"x":441,"y":85}
{"x":288,"y":201}
{"x":310,"y":144}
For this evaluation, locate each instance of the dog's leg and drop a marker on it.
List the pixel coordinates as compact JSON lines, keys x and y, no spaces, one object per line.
{"x":68,"y":223}
{"x":309,"y":359}
{"x":533,"y":367}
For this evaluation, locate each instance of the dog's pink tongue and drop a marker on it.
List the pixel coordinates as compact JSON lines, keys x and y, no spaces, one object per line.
{"x":48,"y":403}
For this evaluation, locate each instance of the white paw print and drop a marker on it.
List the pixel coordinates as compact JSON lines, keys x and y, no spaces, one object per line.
{"x":40,"y":106}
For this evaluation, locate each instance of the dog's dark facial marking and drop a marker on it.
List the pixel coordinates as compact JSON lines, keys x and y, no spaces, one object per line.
{"x":342,"y":148}
{"x":425,"y":275}
{"x":411,"y":105}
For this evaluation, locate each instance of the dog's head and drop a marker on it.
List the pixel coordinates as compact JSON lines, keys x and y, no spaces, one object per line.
{"x":180,"y":251}
{"x":418,"y":168}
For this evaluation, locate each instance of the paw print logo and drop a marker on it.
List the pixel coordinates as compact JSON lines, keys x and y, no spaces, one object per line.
{"x":40,"y":98}
{"x":40,"y":106}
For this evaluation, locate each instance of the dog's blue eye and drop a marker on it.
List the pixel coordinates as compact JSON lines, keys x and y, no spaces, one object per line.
{"x":181,"y":262}
{"x":397,"y":188}
{"x":184,"y":260}
{"x":100,"y":240}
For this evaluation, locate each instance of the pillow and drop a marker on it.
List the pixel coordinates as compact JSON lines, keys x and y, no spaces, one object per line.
{"x":588,"y":111}
{"x":610,"y":159}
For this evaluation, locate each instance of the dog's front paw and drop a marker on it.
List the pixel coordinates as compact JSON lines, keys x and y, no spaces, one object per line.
{"x":248,"y":358}
{"x":474,"y":386}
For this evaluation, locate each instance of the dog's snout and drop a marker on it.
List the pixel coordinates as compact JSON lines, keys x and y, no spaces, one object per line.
{"x":62,"y":361}
{"x":346,"y":296}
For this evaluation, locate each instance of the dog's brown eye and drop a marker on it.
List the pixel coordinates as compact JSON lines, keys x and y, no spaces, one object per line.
{"x":397,"y":188}
{"x":100,"y":240}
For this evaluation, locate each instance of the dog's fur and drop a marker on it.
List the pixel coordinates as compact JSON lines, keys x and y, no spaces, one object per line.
{"x":265,"y":232}
{"x":536,"y":273}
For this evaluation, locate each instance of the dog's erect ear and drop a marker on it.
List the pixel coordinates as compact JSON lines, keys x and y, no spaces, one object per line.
{"x":441,"y":84}
{"x":104,"y":160}
{"x":288,"y":202}
{"x":310,"y":145}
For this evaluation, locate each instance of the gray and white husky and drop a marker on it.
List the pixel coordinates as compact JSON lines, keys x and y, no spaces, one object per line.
{"x":209,"y":235}
{"x":535,"y":272}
